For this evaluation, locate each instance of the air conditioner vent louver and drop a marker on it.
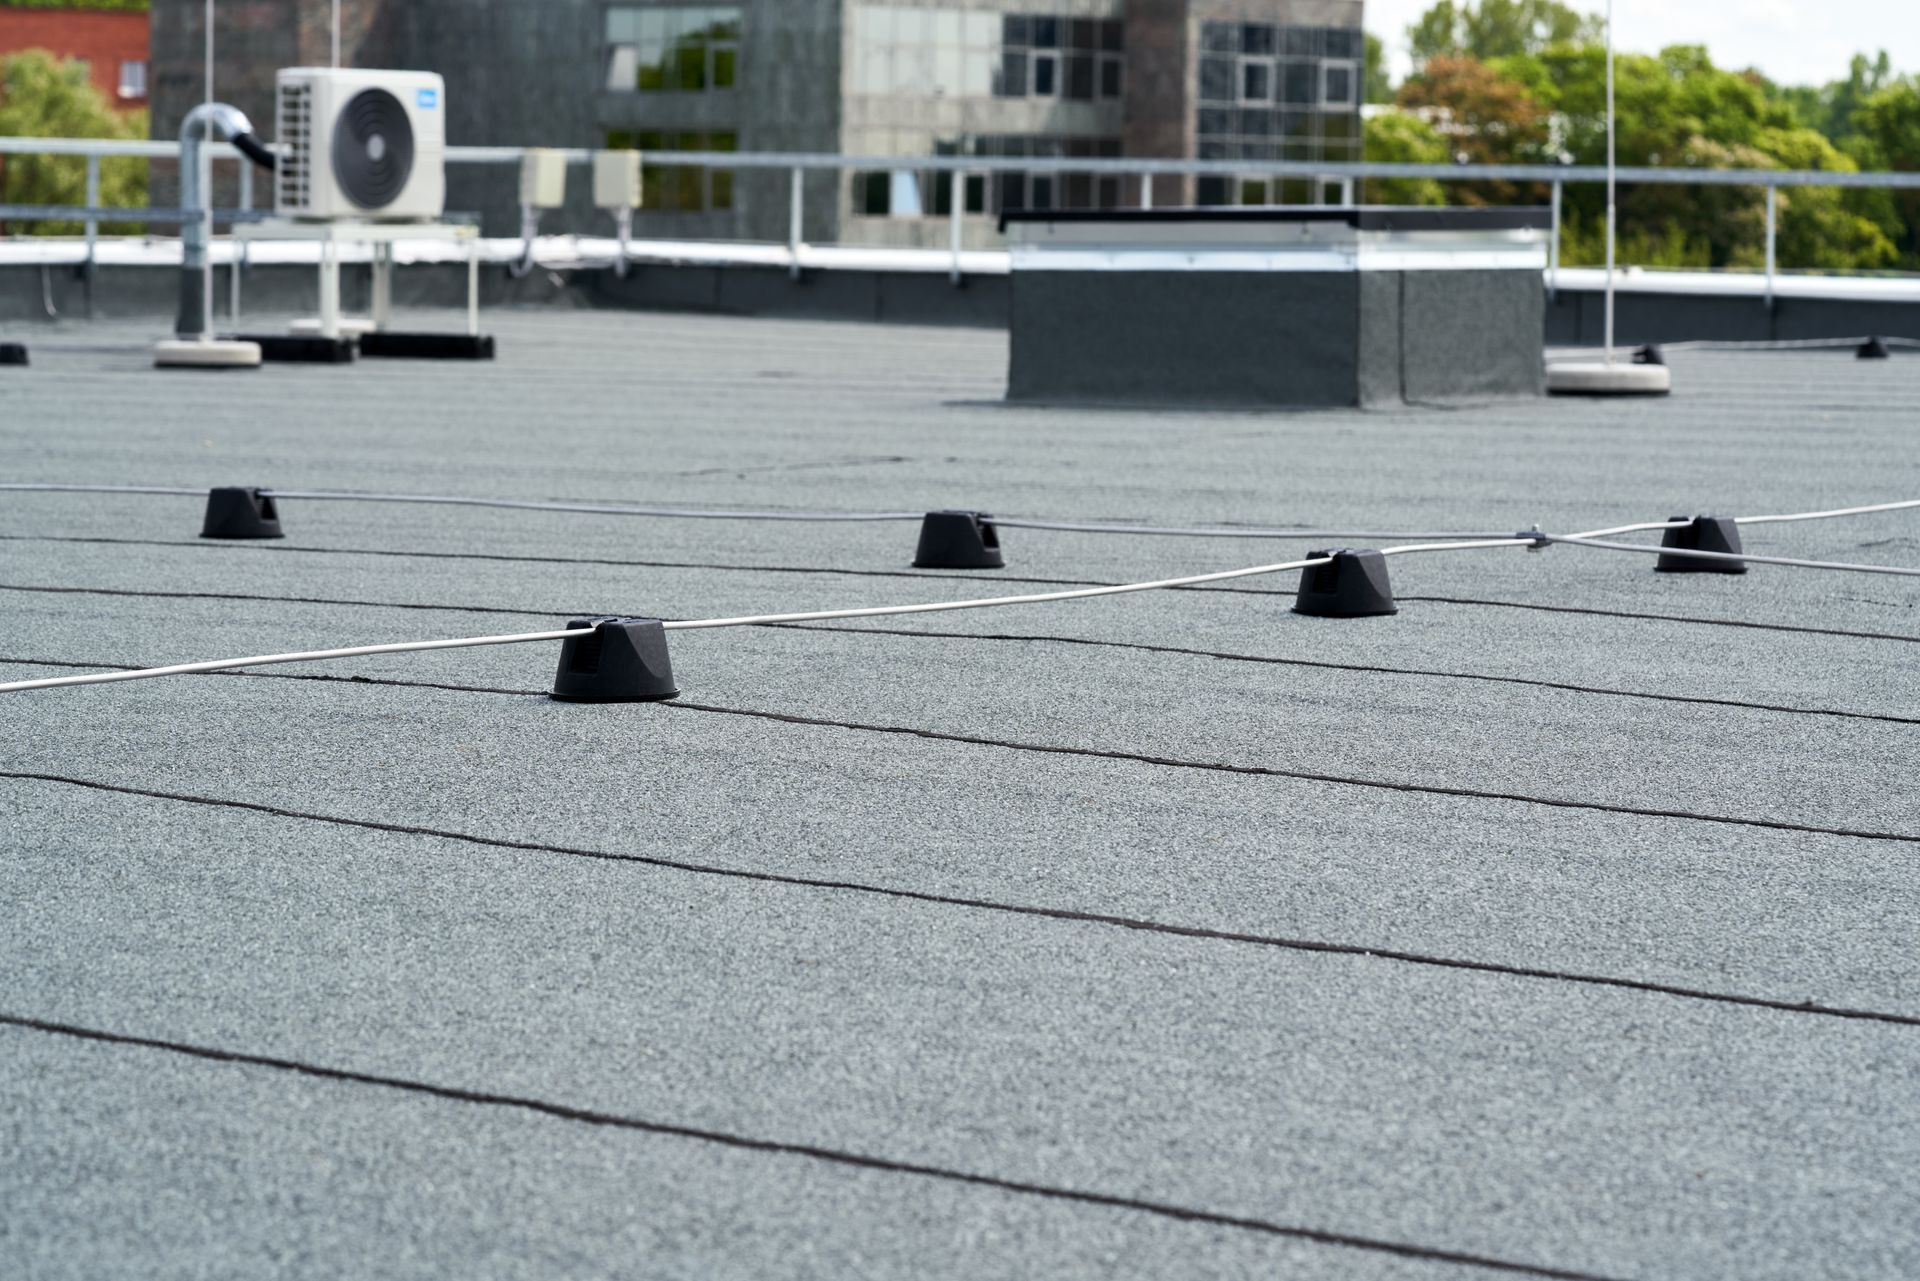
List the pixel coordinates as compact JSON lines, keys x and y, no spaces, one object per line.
{"x":295,"y":130}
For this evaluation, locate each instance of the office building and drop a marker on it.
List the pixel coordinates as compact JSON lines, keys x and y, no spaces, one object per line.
{"x":1253,"y":80}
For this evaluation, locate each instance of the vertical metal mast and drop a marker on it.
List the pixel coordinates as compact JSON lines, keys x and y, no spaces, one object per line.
{"x":205,"y":159}
{"x":1612,"y":210}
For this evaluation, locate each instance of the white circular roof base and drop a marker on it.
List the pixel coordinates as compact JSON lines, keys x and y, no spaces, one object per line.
{"x":1597,"y":378}
{"x":349,"y":326}
{"x":206,"y":353}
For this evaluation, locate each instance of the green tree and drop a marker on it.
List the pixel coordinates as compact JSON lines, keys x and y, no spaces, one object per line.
{"x":1378,"y":85}
{"x":1885,"y":134}
{"x":1497,"y":29}
{"x":1830,"y":108}
{"x":41,"y":97}
{"x":1396,"y":138}
{"x":1485,"y":118}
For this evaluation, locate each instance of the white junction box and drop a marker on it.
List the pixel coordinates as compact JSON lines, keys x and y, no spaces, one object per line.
{"x":360,"y":145}
{"x":616,"y":180}
{"x":543,"y":179}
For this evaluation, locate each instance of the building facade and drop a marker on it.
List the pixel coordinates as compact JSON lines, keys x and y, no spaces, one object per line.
{"x":112,"y":44}
{"x":1253,"y":80}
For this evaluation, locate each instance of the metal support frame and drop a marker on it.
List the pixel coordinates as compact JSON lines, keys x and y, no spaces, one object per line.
{"x":93,"y":202}
{"x":381,"y":307}
{"x":239,"y":261}
{"x":956,"y":228}
{"x":796,"y":214}
{"x":623,"y":225}
{"x":1553,"y":246}
{"x":329,"y":288}
{"x":1773,"y":240}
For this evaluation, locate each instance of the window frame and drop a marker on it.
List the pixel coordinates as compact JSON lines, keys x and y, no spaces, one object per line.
{"x":1036,"y":58}
{"x":1329,"y":66}
{"x":1257,"y":62}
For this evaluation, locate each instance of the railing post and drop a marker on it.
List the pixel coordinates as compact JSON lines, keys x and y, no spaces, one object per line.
{"x":1553,"y":248}
{"x":93,"y":202}
{"x":238,"y":246}
{"x":796,"y":210}
{"x":956,"y":211}
{"x":1773,"y":238}
{"x":1146,"y":191}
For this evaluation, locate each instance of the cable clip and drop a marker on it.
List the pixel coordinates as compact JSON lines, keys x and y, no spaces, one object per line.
{"x":1540,"y":541}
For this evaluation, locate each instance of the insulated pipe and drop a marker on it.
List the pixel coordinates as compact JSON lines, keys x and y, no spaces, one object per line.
{"x":205,"y":123}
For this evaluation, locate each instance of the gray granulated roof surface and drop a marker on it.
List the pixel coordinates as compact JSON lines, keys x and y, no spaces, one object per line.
{"x":1562,"y":925}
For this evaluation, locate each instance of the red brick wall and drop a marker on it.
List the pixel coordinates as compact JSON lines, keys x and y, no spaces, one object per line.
{"x":103,"y":40}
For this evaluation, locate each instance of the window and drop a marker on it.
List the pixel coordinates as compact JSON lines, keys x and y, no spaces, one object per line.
{"x":680,"y":49}
{"x":1045,"y":56}
{"x":1256,"y":80}
{"x":133,"y":79}
{"x":679,"y":188}
{"x":1338,"y":84}
{"x":1299,"y":89}
{"x":1046,"y":75}
{"x":1277,"y":93}
{"x":927,"y":194}
{"x":1080,"y":76}
{"x":1216,"y":79}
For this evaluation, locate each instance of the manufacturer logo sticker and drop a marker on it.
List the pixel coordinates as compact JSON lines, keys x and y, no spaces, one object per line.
{"x":428,"y":99}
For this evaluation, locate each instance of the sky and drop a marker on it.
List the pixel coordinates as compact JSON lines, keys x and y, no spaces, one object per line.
{"x":1792,"y":41}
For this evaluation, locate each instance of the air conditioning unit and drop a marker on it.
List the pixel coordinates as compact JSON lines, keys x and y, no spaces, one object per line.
{"x":361,"y":145}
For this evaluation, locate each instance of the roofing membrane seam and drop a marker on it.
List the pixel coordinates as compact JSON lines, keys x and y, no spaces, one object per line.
{"x":589,"y":1116}
{"x":1425,"y":673}
{"x":833,"y":571}
{"x":1061,"y":914}
{"x":1222,"y":767}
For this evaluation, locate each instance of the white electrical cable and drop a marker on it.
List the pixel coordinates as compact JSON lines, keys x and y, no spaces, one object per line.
{"x":1532,"y":539}
{"x":1218,"y":531}
{"x":269,"y":660}
{"x":1909,"y":505}
{"x":987,"y":602}
{"x":1084,"y":593}
{"x":1843,"y":566}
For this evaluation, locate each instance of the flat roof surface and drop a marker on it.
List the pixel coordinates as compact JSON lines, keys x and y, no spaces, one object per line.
{"x":1560,"y":925}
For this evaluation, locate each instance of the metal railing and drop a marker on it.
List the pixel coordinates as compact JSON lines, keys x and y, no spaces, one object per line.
{"x":1144,"y":170}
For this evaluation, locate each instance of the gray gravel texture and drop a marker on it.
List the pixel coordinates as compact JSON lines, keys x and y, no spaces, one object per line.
{"x":1560,"y":768}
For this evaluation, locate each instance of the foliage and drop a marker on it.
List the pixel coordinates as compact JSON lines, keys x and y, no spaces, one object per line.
{"x":1883,"y":133}
{"x":1378,"y":84}
{"x":1401,"y":139}
{"x":1497,"y":29}
{"x":1524,"y":81}
{"x":1831,"y":108}
{"x":44,"y":98}
{"x":1484,"y":116}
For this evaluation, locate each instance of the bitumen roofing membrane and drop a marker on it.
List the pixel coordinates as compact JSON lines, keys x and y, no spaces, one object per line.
{"x":1560,"y":925}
